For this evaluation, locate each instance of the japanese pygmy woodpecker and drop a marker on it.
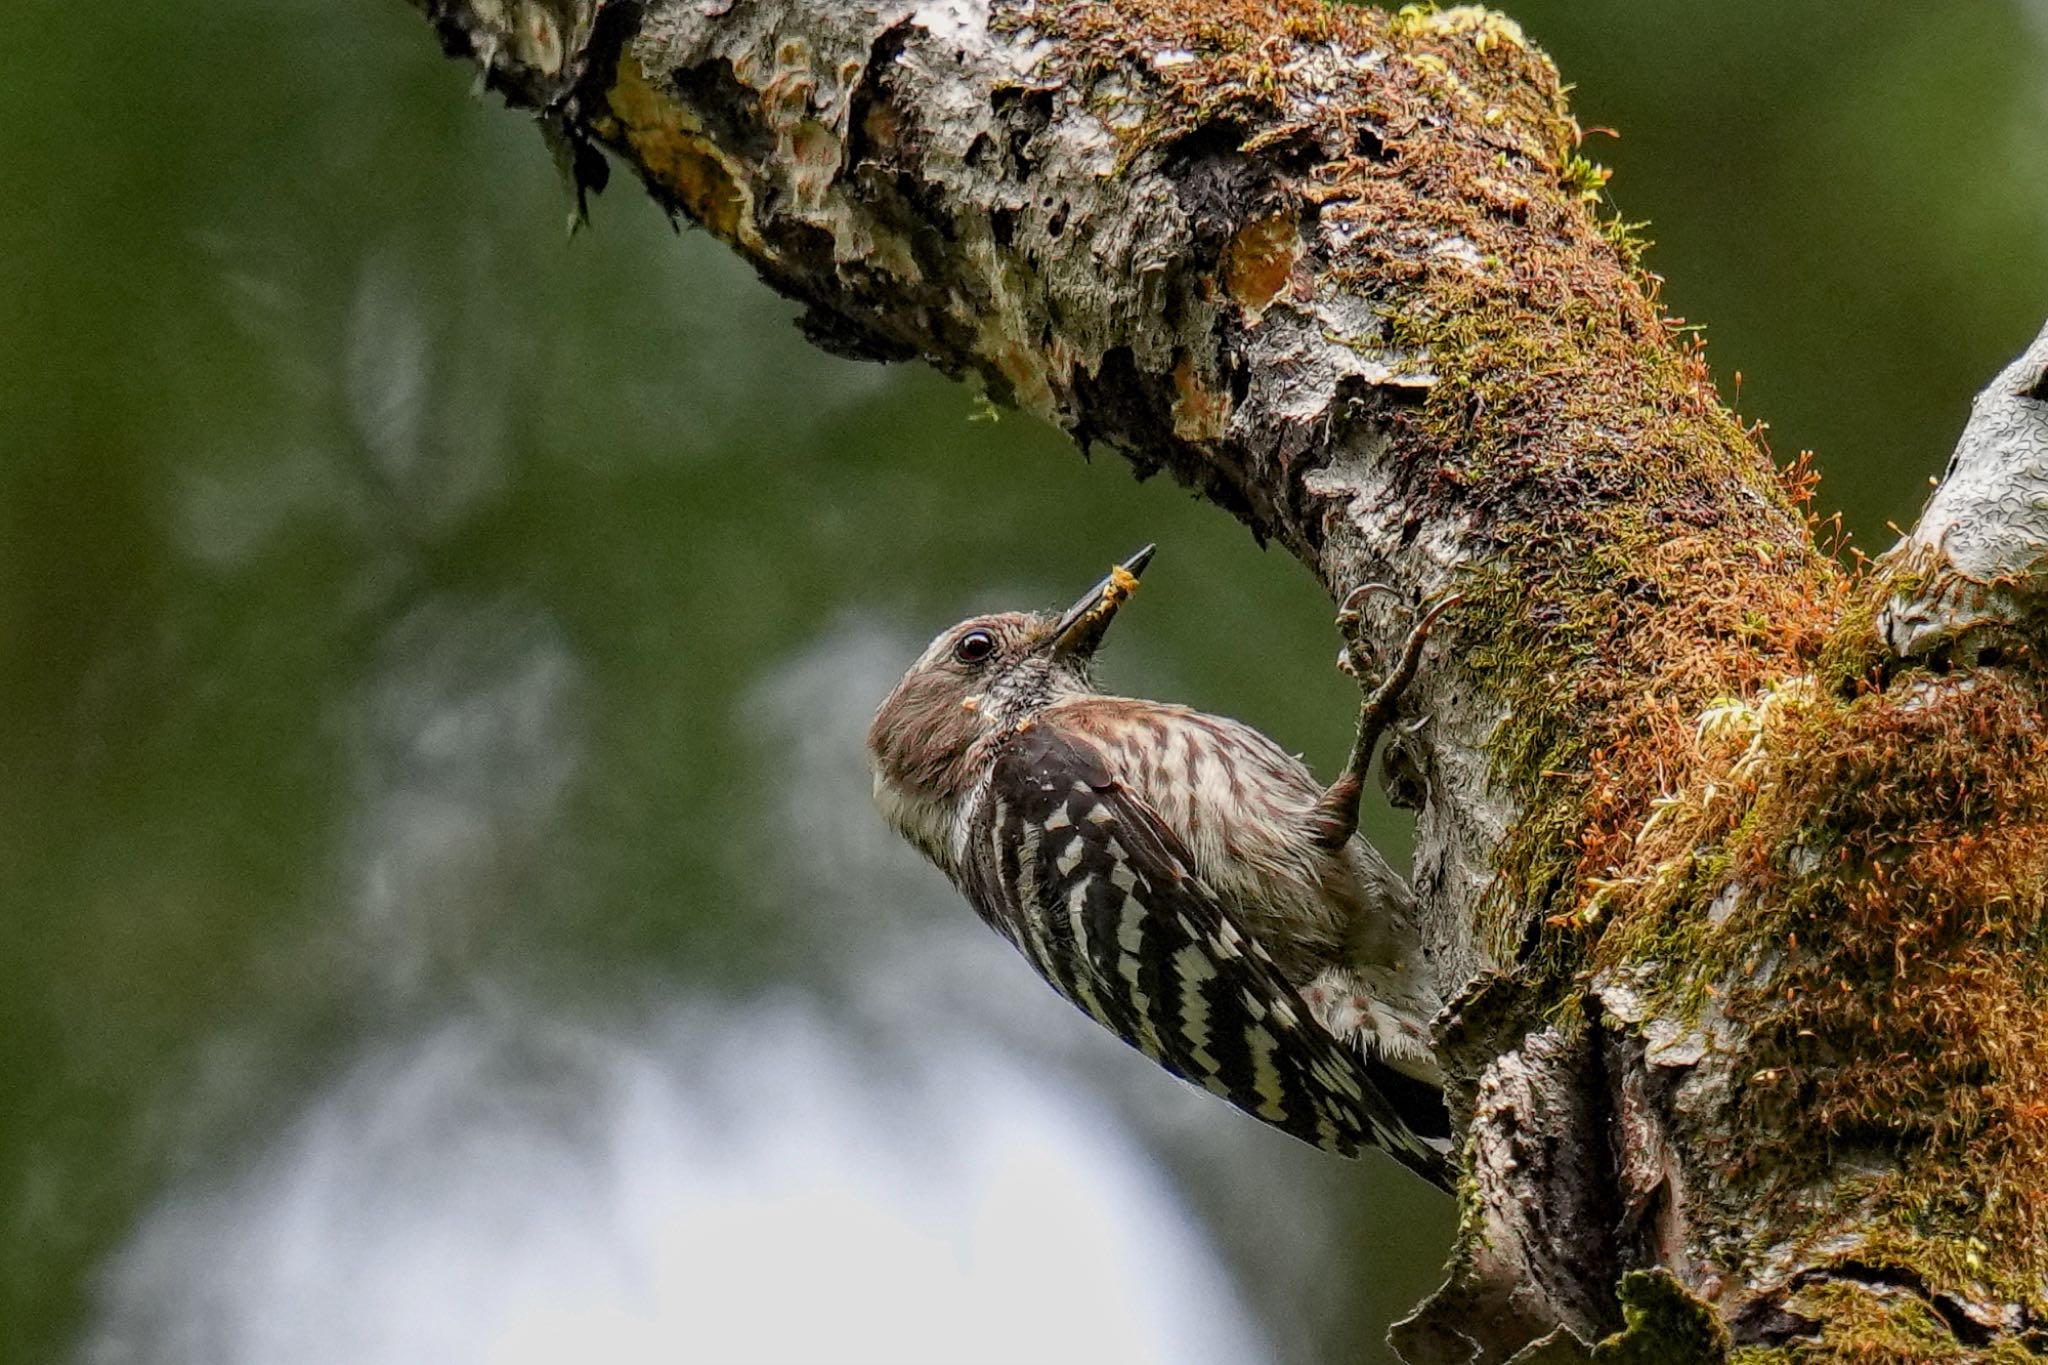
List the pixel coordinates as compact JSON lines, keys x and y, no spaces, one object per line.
{"x":1177,"y":876}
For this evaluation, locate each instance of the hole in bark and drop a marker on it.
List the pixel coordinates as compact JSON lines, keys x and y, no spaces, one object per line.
{"x":1216,"y":183}
{"x":725,"y":105}
{"x":1964,"y":1328}
{"x":921,"y":214}
{"x":1024,"y":114}
{"x":1126,"y":406}
{"x":1297,"y":153}
{"x":1132,"y":410}
{"x":2038,"y":390}
{"x":1003,"y":224}
{"x":614,"y":27}
{"x":1767,"y":1322}
{"x":804,"y":246}
{"x":872,"y":130}
{"x":1359,"y":399}
{"x":1207,"y":142}
{"x":1057,"y":223}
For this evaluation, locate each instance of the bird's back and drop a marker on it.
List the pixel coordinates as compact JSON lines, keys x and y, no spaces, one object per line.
{"x":1241,"y":805}
{"x":1336,"y":920}
{"x":1068,"y":860}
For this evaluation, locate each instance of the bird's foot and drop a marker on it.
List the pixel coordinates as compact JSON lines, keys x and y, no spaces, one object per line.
{"x":1361,"y":651}
{"x":1336,"y":815}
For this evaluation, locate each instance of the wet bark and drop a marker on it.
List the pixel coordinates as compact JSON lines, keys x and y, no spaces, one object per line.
{"x":1734,"y":864}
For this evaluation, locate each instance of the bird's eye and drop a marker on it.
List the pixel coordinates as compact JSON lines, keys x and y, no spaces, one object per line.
{"x":974,"y":647}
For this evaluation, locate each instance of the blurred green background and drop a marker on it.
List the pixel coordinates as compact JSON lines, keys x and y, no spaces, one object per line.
{"x":444,"y":920}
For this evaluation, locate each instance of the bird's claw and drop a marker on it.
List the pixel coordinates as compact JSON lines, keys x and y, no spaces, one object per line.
{"x":1359,"y":647}
{"x":1347,"y":611}
{"x":1335,"y":816}
{"x":1351,"y":624}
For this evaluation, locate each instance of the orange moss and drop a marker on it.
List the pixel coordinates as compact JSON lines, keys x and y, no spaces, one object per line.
{"x":1863,"y":881}
{"x":1907,"y":858}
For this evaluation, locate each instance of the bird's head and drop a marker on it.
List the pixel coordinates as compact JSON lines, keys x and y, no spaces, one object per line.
{"x":976,"y":680}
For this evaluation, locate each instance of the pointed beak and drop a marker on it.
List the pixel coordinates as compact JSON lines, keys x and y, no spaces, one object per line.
{"x":1079,"y":632}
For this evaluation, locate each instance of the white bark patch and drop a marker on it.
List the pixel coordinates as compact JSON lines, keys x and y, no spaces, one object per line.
{"x":1979,"y":553}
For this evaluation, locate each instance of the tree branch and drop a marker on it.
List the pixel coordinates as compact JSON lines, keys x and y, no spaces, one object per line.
{"x":1344,"y":272}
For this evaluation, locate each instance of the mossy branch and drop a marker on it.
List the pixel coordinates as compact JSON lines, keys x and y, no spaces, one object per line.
{"x":1741,"y":904}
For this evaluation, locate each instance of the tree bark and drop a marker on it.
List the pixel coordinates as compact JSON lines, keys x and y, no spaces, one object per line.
{"x":1735,"y":864}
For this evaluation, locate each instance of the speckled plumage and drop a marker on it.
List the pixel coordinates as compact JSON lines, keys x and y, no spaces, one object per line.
{"x":1169,"y":873}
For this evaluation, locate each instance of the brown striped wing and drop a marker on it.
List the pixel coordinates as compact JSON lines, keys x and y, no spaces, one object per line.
{"x":1089,"y":884}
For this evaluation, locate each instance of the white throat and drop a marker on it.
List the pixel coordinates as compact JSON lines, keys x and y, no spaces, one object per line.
{"x":928,"y":822}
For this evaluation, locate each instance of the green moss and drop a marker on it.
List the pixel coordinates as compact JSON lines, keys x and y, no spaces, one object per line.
{"x":1664,"y":1325}
{"x":1860,"y":1326}
{"x":1854,"y":652}
{"x":1626,"y":239}
{"x":1588,"y":448}
{"x":1587,"y":179}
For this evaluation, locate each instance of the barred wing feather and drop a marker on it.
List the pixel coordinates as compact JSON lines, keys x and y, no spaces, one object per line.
{"x":1100,"y":896}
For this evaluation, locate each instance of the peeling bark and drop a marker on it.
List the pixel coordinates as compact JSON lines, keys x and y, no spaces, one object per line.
{"x":1736,"y":868}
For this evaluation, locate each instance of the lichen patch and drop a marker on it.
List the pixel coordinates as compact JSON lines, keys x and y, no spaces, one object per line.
{"x":676,"y":154}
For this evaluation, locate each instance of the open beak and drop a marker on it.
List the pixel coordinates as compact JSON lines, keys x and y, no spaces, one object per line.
{"x":1080,"y":631}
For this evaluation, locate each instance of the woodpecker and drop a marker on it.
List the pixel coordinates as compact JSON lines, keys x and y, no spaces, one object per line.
{"x":1178,"y":876}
